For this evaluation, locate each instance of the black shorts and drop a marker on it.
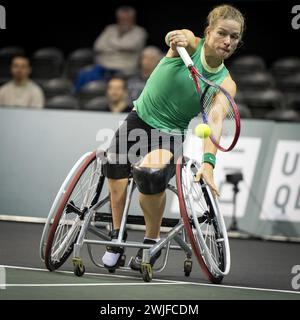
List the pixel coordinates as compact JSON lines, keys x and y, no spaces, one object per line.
{"x":135,"y":138}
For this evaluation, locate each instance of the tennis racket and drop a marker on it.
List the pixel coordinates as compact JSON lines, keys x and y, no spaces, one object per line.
{"x":217,"y":108}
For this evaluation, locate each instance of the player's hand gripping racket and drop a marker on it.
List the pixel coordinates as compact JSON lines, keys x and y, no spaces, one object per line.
{"x":218,"y":109}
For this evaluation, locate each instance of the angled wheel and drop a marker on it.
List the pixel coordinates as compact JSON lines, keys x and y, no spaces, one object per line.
{"x":81,"y":190}
{"x":57,"y":202}
{"x":203,"y":221}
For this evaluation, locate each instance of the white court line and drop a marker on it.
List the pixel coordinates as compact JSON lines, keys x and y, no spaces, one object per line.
{"x":84,"y":284}
{"x":243,"y":288}
{"x":162,"y":280}
{"x":89,"y":274}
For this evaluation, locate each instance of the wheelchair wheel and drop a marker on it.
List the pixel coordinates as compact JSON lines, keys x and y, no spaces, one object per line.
{"x":80,"y":192}
{"x":203,"y":221}
{"x":57,"y":202}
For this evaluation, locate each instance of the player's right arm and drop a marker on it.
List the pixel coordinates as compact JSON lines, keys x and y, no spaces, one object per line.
{"x":182,"y":38}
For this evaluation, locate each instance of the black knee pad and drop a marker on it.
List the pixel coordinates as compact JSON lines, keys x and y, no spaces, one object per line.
{"x":113,"y":169}
{"x":152,"y":180}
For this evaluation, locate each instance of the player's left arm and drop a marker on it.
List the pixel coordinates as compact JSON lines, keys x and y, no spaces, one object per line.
{"x":229,"y":85}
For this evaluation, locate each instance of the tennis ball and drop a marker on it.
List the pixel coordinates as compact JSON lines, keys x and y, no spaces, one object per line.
{"x":202,"y":130}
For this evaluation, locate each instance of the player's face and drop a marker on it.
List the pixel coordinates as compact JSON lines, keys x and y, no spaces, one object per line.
{"x":224,"y":37}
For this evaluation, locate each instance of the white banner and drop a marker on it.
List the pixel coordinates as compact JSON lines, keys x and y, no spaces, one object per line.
{"x":282,"y":198}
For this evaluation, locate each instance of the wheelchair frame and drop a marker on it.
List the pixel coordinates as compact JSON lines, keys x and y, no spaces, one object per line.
{"x":85,"y":221}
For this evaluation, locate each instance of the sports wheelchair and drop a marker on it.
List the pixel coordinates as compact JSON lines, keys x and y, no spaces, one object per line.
{"x":81,"y":208}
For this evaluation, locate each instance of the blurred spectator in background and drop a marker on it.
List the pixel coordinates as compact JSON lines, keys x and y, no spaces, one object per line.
{"x":117,"y":49}
{"x":119,"y":45}
{"x":117,"y":95}
{"x":21,"y":91}
{"x":149,"y":59}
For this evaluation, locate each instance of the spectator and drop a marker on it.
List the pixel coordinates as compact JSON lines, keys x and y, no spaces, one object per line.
{"x":149,"y":59}
{"x":21,"y":91}
{"x":118,"y":47}
{"x":117,"y":95}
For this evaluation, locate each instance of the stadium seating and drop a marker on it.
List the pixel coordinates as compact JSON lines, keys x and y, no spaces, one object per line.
{"x":285,"y":66}
{"x":96,"y":104}
{"x":91,"y":90}
{"x":293,"y":100}
{"x":283,"y":115}
{"x":247,"y":64}
{"x":62,"y":102}
{"x":245,"y":112}
{"x":47,"y":63}
{"x":290,"y":83}
{"x":256,"y":81}
{"x":58,"y":86}
{"x":263,"y":101}
{"x":262,"y":93}
{"x":77,"y":60}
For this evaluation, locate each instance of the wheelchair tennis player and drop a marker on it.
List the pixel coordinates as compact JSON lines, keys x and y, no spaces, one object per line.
{"x":164,"y":109}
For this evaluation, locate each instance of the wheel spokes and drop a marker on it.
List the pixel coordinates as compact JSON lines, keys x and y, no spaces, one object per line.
{"x":71,"y":219}
{"x":203,"y":221}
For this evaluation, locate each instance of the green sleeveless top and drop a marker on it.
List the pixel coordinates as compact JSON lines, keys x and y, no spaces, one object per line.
{"x":169,"y":100}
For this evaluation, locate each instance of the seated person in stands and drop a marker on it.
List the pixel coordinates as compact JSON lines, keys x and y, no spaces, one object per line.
{"x":117,"y":49}
{"x":21,"y":91}
{"x":117,"y":95}
{"x":148,"y":61}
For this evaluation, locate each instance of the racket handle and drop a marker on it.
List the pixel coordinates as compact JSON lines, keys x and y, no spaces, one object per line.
{"x":185,"y":57}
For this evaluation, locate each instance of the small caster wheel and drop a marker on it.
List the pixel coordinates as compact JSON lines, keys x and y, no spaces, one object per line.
{"x":147,"y":272}
{"x":79,"y":268}
{"x":122,"y":260}
{"x":111,"y":270}
{"x":188,"y":263}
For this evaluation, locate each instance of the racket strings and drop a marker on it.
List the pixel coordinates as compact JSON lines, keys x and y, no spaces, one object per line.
{"x":219,"y":111}
{"x":219,"y":115}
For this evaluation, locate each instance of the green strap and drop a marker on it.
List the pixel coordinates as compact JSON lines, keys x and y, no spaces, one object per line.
{"x":209,"y":158}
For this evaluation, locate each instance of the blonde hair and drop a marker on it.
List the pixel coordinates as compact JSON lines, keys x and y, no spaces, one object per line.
{"x":224,"y":12}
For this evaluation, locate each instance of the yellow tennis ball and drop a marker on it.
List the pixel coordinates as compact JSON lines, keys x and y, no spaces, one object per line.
{"x":202,"y":130}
